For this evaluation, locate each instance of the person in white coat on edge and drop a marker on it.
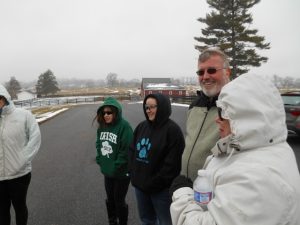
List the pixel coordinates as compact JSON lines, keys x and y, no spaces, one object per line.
{"x":253,"y":171}
{"x":20,"y":140}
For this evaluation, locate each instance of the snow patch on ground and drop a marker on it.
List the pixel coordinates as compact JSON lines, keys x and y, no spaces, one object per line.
{"x":48,"y":115}
{"x":175,"y":104}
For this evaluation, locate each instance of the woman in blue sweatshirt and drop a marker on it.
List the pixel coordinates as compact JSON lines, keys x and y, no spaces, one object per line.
{"x":155,"y":160}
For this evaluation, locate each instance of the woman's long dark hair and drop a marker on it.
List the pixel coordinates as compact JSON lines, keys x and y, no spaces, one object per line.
{"x":100,"y":117}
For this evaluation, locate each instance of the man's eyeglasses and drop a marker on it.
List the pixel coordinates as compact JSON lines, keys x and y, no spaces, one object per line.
{"x":150,"y":107}
{"x":210,"y":70}
{"x":107,"y":112}
{"x":220,"y":114}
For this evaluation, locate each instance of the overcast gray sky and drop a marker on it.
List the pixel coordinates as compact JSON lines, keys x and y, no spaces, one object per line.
{"x":133,"y":38}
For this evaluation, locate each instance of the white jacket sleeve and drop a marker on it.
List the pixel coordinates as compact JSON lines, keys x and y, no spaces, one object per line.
{"x":34,"y":138}
{"x":185,"y":211}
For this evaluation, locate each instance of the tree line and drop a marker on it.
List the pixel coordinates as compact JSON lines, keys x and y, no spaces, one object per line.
{"x":48,"y":85}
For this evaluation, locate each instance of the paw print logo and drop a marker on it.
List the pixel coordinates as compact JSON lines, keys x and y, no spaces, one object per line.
{"x":106,"y":149}
{"x":143,"y":147}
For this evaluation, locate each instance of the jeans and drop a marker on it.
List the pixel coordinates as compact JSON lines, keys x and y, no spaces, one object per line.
{"x":154,"y":209}
{"x":14,"y":192}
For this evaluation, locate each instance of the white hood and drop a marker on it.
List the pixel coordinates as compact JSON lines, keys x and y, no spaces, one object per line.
{"x":10,"y":106}
{"x":255,"y":110}
{"x":3,"y":92}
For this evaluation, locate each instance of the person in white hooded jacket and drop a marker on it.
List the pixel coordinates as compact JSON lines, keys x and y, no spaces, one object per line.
{"x":253,"y":171}
{"x":20,"y":140}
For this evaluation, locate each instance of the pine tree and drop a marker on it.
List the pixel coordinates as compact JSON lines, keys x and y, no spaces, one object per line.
{"x":228,"y":27}
{"x":13,"y":87}
{"x":46,"y":84}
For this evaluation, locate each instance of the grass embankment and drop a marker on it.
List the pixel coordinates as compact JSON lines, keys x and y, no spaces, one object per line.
{"x":94,"y":91}
{"x":48,"y":109}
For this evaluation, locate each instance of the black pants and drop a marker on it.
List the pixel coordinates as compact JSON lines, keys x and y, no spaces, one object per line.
{"x":14,"y":192}
{"x":116,"y":190}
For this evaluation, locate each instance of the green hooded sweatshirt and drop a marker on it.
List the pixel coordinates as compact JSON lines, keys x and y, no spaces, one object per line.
{"x":113,"y":142}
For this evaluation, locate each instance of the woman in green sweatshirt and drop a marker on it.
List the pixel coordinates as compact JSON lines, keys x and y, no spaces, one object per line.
{"x":114,"y":135}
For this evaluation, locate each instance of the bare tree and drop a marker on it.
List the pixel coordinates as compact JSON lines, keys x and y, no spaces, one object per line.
{"x":112,"y":80}
{"x":13,"y":87}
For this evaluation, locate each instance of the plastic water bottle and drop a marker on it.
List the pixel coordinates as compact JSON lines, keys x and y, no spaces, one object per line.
{"x":202,"y":189}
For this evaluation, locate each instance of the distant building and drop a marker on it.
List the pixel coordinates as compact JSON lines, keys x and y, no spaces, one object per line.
{"x":26,"y":95}
{"x":163,"y":86}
